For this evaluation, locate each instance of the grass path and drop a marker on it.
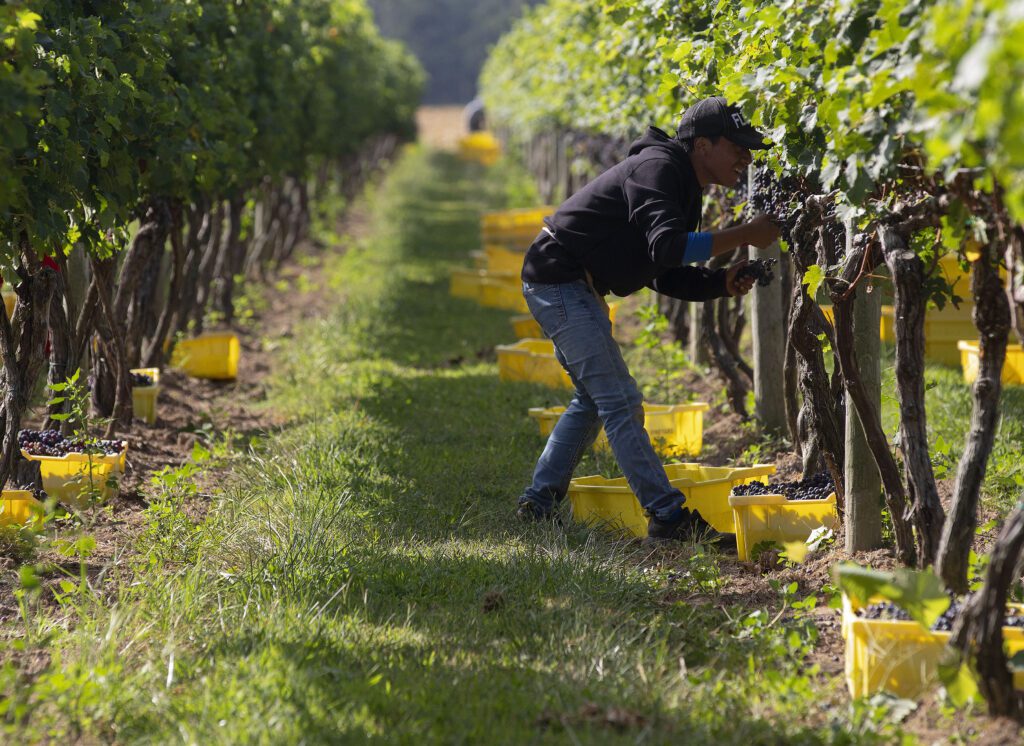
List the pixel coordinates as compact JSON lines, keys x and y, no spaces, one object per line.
{"x":362,"y":578}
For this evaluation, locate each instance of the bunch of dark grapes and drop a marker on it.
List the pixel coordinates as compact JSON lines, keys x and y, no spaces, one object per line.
{"x":815,"y":487}
{"x":885,"y":610}
{"x":52,"y":443}
{"x":141,"y":379}
{"x":759,"y":269}
{"x":772,"y":197}
{"x":836,"y":231}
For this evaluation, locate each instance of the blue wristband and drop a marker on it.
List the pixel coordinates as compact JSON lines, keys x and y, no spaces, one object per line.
{"x":698,"y":248}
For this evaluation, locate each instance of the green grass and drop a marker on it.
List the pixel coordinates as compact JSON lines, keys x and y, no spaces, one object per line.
{"x":948,"y":405}
{"x":361,"y":577}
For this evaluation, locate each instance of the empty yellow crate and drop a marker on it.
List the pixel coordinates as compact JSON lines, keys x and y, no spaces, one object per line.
{"x":18,"y":506}
{"x":707,"y":488}
{"x":942,"y":331}
{"x":1013,"y":366}
{"x":481,"y":147}
{"x":208,"y":356}
{"x":501,"y":259}
{"x":786,"y":522}
{"x":492,"y":289}
{"x":498,"y":221}
{"x":532,"y":360}
{"x":503,"y":293}
{"x":524,"y":326}
{"x":144,"y":397}
{"x":676,"y":429}
{"x":901,"y":657}
{"x":466,"y":283}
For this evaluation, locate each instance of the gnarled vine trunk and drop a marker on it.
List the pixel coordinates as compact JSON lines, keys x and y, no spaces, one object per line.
{"x":979,"y":632}
{"x":992,"y":318}
{"x":909,"y":308}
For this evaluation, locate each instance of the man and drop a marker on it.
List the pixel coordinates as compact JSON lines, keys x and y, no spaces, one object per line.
{"x":634,"y":226}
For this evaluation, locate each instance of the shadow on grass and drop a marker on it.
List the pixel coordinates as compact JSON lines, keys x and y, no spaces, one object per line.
{"x":332,"y":692}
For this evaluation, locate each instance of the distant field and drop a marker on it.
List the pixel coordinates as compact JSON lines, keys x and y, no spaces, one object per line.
{"x":440,"y":126}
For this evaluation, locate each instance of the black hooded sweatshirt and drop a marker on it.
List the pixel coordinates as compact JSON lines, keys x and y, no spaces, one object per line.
{"x":628,"y":228}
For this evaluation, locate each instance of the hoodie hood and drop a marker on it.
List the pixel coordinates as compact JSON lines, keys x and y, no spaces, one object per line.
{"x":656,"y":138}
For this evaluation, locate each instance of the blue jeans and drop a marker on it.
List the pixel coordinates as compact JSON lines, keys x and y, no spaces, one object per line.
{"x":577,"y":322}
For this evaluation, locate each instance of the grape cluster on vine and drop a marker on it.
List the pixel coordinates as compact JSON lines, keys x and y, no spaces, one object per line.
{"x":836,"y":231}
{"x":53,"y":443}
{"x":815,"y":487}
{"x":773,"y":198}
{"x":759,"y":269}
{"x":142,"y":379}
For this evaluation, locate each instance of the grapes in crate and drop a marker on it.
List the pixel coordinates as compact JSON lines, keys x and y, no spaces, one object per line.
{"x":888,"y":611}
{"x":815,"y":487}
{"x":52,"y":443}
{"x":142,"y":379}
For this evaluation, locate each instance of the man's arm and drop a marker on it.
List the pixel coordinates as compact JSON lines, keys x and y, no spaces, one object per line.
{"x":700,"y":283}
{"x":759,"y":232}
{"x":691,"y":283}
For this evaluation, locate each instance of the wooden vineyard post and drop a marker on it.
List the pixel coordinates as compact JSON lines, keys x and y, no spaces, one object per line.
{"x":698,"y":351}
{"x":768,"y":328}
{"x":863,"y":484}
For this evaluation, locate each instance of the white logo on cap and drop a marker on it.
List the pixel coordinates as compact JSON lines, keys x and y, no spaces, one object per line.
{"x":738,"y":119}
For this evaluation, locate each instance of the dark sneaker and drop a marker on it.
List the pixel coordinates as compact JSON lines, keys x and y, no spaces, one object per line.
{"x":528,"y":512}
{"x":691,"y":527}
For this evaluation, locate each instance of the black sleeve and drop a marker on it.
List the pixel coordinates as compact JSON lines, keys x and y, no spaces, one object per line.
{"x":654,"y":198}
{"x":691,"y":283}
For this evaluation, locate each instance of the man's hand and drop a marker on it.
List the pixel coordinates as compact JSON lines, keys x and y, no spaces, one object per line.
{"x":737,"y":285}
{"x":763,"y":232}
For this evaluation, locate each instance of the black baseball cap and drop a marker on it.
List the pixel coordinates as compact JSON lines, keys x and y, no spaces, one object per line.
{"x":713,"y":116}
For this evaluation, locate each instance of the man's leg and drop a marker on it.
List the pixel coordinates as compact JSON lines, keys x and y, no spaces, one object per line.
{"x":582,"y":335}
{"x":574,"y":432}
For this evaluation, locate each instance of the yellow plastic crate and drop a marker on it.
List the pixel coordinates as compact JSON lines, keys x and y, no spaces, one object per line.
{"x":901,"y":657}
{"x":70,"y":480}
{"x":513,"y":229}
{"x":18,"y":507}
{"x":524,"y":326}
{"x":611,"y":502}
{"x":1013,"y":366}
{"x":144,"y":397}
{"x":942,"y":332}
{"x":676,"y":429}
{"x":774,"y":518}
{"x":481,"y":147}
{"x":516,"y":218}
{"x":503,"y":293}
{"x":208,"y":356}
{"x":466,"y":283}
{"x":532,"y":360}
{"x":501,"y":259}
{"x":116,"y":461}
